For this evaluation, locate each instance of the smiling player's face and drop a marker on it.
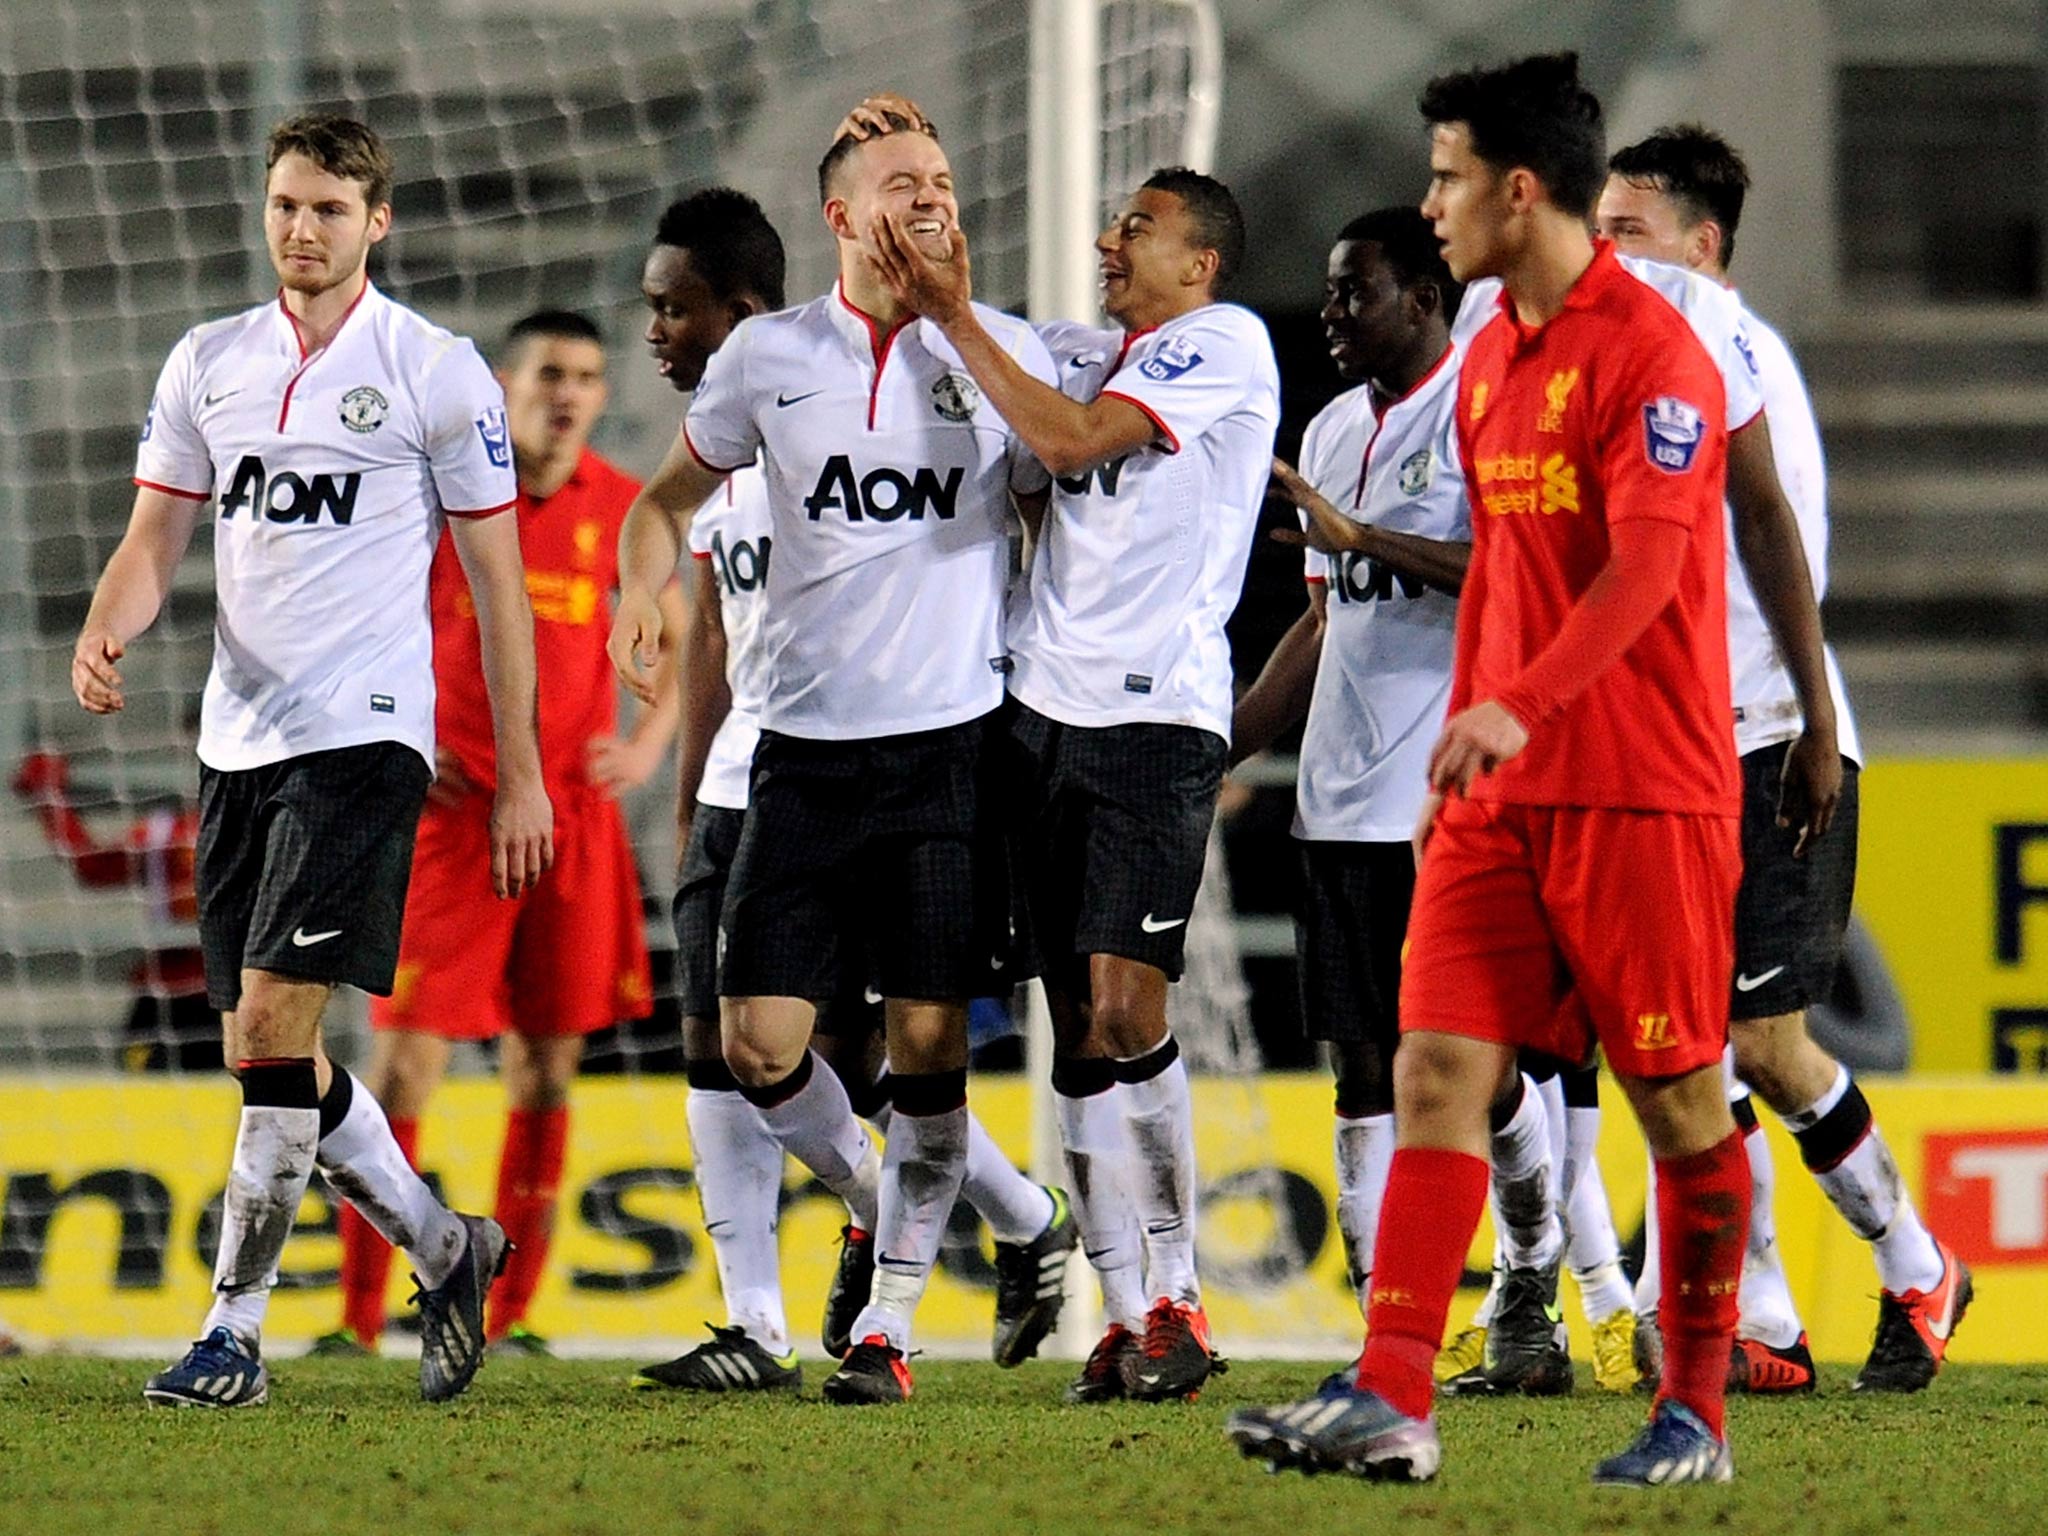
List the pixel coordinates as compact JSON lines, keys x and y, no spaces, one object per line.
{"x":907,"y":177}
{"x":317,"y":225}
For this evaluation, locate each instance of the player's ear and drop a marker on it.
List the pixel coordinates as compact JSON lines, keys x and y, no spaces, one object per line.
{"x":839,"y":219}
{"x":1703,"y":244}
{"x":380,"y":222}
{"x":738,"y":309}
{"x":1202,"y":270}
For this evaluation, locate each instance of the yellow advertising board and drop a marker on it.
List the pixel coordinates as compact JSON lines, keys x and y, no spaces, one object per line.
{"x":1953,"y":882}
{"x":106,"y":1234}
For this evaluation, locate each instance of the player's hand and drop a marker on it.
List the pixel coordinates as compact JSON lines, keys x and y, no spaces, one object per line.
{"x":94,"y":678}
{"x":522,"y":837}
{"x":1329,"y":530}
{"x":1474,"y":741}
{"x":1425,"y":824}
{"x":616,"y":763}
{"x":1810,"y":788}
{"x":871,"y":118}
{"x":938,"y":290}
{"x":636,"y":642}
{"x":451,"y":785}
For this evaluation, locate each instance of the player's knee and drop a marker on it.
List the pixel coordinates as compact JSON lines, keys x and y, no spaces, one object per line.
{"x":1771,"y":1056}
{"x":1432,"y":1078}
{"x":758,"y":1063}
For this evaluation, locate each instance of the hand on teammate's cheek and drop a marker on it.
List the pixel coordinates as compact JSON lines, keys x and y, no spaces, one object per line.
{"x":927,"y":287}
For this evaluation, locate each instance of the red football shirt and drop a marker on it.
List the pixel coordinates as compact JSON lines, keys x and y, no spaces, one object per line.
{"x":1610,"y":411}
{"x":570,"y":543}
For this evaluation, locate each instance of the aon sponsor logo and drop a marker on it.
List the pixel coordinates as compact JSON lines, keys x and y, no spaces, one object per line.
{"x":741,"y":566}
{"x":1360,"y":580}
{"x":288,"y":497}
{"x":883,"y":495}
{"x":1102,"y":477}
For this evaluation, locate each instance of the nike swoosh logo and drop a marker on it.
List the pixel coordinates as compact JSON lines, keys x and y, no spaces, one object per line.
{"x":301,"y":938}
{"x":785,"y":401}
{"x":216,"y":399}
{"x":1751,"y":983}
{"x":1152,"y":925}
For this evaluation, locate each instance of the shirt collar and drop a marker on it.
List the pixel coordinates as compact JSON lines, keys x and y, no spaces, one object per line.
{"x":290,"y":325}
{"x":863,"y":332}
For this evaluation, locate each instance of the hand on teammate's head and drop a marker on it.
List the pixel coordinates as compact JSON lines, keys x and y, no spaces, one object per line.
{"x":872,"y":117}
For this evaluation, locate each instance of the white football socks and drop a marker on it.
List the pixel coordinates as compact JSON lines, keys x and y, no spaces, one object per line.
{"x":273,"y":1162}
{"x":1865,"y":1186}
{"x":739,"y":1186}
{"x":1365,"y":1151}
{"x":921,"y":1172}
{"x":1095,"y":1146}
{"x":1524,"y":1185}
{"x":361,"y":1161}
{"x":816,"y":1126}
{"x":1162,"y":1131}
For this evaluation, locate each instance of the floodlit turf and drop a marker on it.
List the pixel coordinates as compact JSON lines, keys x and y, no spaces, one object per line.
{"x":566,"y":1448}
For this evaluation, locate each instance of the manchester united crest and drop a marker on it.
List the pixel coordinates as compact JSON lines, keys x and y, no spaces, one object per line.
{"x":364,"y":409}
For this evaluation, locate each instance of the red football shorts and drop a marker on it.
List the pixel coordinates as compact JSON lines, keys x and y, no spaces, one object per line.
{"x":1553,"y":928}
{"x":567,"y":958}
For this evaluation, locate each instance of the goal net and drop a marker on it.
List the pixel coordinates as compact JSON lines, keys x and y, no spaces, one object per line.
{"x":536,"y":145}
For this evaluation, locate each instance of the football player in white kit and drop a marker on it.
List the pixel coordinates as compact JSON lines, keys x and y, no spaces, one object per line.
{"x":1121,"y":696}
{"x":889,"y":489}
{"x":336,"y":429}
{"x":1677,"y":197}
{"x":717,"y":259}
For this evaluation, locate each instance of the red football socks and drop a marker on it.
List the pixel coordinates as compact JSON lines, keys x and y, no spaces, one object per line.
{"x":1431,"y":1210}
{"x":1703,"y":1226}
{"x":366,"y":1257}
{"x":529,"y":1178}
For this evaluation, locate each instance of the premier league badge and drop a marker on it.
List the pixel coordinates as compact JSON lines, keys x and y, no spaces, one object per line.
{"x":1671,"y":433}
{"x":364,"y":409}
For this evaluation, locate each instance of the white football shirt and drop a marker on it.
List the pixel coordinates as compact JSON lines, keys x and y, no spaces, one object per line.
{"x":1384,"y":681}
{"x":1766,"y":705}
{"x":732,"y":532}
{"x":889,"y":481}
{"x":333,"y":472}
{"x":1142,"y":559}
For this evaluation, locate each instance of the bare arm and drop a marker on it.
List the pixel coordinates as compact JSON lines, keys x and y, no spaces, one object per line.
{"x":620,"y":763}
{"x":130,"y":593}
{"x":1285,"y":684}
{"x":522,"y":821}
{"x":1767,"y":539}
{"x":1440,"y":563}
{"x":655,"y":533}
{"x":704,"y":696}
{"x":1065,"y":435}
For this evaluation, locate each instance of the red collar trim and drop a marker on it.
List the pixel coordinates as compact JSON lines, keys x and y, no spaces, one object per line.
{"x":878,"y":339}
{"x":298,"y":333}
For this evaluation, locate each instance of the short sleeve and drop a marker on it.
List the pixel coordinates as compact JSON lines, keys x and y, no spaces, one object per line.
{"x":1742,"y":378}
{"x":722,"y":430}
{"x":469,"y":446}
{"x":170,"y":455}
{"x":1191,"y":377}
{"x":1027,"y":475}
{"x":1658,"y":423}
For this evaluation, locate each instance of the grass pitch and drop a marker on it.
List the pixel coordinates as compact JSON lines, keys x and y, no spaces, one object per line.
{"x":563,"y":1447}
